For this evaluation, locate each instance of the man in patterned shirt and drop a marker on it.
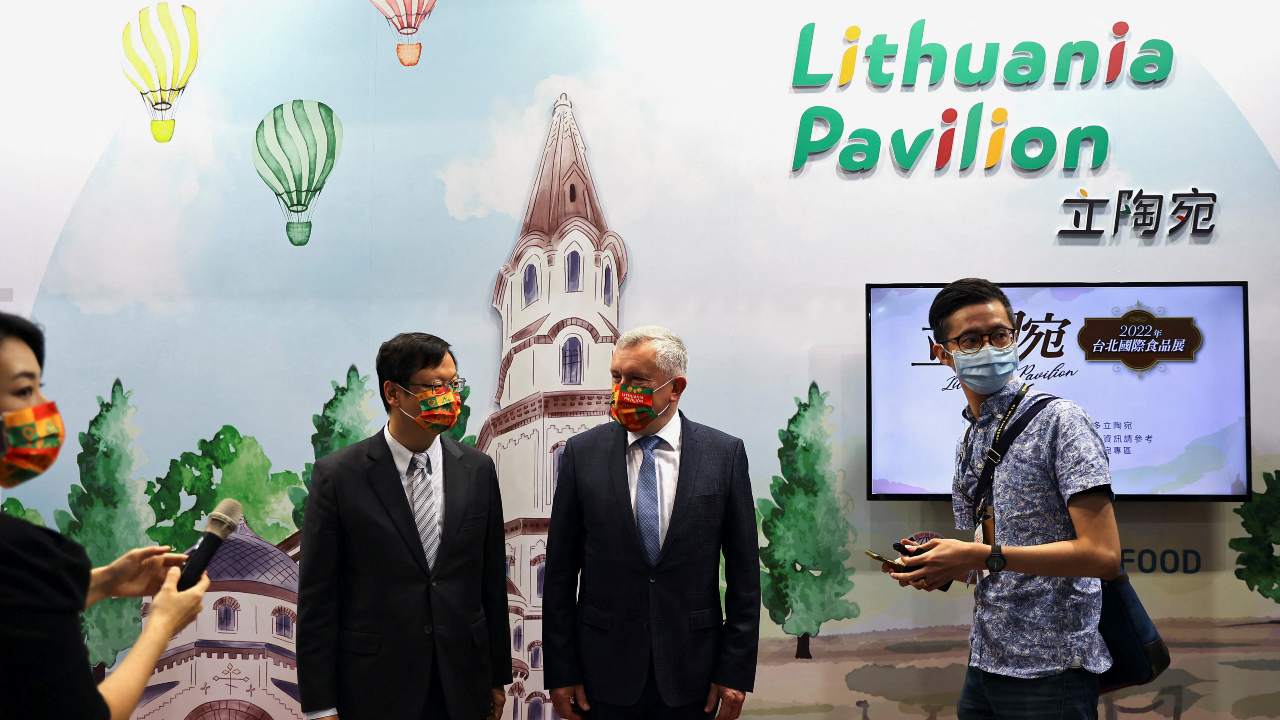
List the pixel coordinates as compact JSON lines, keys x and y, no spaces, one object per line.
{"x":1035,"y":651}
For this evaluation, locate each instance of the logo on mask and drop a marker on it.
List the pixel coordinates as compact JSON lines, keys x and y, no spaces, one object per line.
{"x":632,"y":405}
{"x":438,"y":408}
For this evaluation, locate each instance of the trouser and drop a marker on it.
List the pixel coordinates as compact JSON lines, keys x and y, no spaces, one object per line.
{"x":650,"y":707}
{"x":1069,"y":695}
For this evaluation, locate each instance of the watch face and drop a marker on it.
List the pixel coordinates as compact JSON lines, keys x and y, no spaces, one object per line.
{"x":995,"y":563}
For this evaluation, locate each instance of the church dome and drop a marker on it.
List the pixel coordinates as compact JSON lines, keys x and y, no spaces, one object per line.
{"x":245,"y":556}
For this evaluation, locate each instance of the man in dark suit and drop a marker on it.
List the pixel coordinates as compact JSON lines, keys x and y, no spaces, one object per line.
{"x":644,"y":507}
{"x":402,"y":605}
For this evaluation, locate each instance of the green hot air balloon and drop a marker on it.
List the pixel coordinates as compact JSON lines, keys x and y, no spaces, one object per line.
{"x":294,"y":149}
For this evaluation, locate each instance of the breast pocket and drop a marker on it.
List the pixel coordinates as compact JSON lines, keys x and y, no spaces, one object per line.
{"x":472,"y":524}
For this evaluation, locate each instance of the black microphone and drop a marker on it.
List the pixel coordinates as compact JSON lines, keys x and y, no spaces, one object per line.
{"x":222,"y":522}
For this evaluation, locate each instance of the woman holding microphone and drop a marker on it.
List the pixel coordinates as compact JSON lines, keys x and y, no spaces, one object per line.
{"x":46,"y":580}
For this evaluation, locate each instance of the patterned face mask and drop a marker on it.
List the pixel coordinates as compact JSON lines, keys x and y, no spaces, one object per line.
{"x":30,"y":443}
{"x":438,"y":408}
{"x":632,"y":405}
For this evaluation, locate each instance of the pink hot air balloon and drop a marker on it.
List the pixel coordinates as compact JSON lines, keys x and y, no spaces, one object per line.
{"x":405,"y":17}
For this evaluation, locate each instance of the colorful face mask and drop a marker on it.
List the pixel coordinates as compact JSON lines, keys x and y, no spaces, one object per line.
{"x":632,"y":405}
{"x":31,"y":441}
{"x":438,"y":408}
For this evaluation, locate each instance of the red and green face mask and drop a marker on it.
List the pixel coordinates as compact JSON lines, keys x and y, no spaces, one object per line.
{"x":438,"y":408}
{"x":632,"y":405}
{"x":32,"y":438}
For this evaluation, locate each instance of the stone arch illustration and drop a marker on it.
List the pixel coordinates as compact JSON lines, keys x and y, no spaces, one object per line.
{"x":228,"y":710}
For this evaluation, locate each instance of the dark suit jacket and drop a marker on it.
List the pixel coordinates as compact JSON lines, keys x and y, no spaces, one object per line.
{"x":607,"y":612}
{"x":374,"y":623}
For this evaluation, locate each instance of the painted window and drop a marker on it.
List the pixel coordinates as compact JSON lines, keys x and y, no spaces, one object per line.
{"x":283,"y":620}
{"x":227,"y":611}
{"x":608,"y":285}
{"x":571,"y":362}
{"x":530,"y":284}
{"x":573,"y":272}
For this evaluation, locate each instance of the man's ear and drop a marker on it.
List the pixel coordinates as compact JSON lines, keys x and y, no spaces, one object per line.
{"x":941,"y":355}
{"x":389,"y":393}
{"x":678,"y":385}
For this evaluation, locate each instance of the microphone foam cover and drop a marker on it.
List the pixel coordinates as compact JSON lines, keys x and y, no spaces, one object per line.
{"x":225,"y":518}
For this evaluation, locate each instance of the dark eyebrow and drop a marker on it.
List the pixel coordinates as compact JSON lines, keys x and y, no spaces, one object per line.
{"x":24,"y":375}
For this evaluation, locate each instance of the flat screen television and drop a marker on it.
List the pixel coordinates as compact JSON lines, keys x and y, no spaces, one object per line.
{"x":1162,"y":369}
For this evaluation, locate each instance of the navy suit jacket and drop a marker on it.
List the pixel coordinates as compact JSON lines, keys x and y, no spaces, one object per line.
{"x":609,"y":615}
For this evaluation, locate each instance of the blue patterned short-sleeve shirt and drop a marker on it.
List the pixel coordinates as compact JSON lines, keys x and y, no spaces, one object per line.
{"x":1027,"y":626}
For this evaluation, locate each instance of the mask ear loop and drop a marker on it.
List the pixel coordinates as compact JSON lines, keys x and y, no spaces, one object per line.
{"x":670,"y":402}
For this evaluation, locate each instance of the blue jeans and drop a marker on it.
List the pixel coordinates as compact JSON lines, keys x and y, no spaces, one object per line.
{"x":1070,"y":695}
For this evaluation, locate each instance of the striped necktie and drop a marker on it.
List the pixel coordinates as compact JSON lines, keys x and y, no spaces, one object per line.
{"x":426,"y":506}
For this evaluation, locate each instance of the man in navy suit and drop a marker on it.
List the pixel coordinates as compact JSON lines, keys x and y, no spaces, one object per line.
{"x":644,"y":509}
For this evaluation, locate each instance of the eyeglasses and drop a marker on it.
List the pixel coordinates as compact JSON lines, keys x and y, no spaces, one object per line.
{"x":970,"y":343}
{"x":456,"y":384}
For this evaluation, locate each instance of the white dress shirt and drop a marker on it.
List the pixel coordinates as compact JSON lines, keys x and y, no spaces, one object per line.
{"x":402,"y":456}
{"x":666,"y":458}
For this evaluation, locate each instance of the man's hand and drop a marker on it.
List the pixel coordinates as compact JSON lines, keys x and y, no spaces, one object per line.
{"x":139,"y":572}
{"x":498,"y":701}
{"x":568,"y":700}
{"x":943,"y":561}
{"x":730,"y":702}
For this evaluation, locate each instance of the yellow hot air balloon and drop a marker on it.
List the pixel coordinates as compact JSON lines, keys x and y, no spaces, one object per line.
{"x":160,"y":52}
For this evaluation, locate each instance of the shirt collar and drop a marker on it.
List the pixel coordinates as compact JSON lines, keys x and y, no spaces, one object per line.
{"x":994,"y":404}
{"x":402,"y":455}
{"x":669,"y":432}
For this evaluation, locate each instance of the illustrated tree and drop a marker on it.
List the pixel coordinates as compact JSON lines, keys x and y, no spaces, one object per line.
{"x":807,"y":567}
{"x":1259,"y":564}
{"x":344,"y":420}
{"x":228,"y":465}
{"x":15,"y":508}
{"x":107,"y":516}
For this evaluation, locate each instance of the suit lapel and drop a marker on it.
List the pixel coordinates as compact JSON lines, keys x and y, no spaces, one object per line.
{"x":690,"y":456}
{"x":455,"y":493}
{"x":621,"y":487}
{"x":384,"y":478}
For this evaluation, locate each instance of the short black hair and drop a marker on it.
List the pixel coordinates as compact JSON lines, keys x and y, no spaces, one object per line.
{"x":406,"y":354}
{"x":961,"y":294}
{"x":24,"y":330}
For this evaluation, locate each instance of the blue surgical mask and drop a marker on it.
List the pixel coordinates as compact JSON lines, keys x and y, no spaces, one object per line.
{"x":987,"y":370}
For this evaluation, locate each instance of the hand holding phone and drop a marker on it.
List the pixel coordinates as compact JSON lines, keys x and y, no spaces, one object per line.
{"x":877,"y":556}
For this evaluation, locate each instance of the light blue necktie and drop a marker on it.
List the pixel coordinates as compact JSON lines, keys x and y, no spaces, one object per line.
{"x":647,"y":499}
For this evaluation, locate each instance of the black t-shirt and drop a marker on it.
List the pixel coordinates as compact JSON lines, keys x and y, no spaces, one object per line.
{"x":44,"y":664}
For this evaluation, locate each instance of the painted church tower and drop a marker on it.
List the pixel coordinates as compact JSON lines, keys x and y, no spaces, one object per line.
{"x":558,"y":295}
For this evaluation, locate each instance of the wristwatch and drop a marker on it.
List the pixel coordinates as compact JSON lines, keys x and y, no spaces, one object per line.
{"x":995,"y":561}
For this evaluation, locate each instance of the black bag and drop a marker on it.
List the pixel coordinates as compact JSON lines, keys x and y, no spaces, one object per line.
{"x":1138,"y":653}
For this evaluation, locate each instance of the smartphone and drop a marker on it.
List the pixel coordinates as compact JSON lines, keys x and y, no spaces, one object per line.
{"x":877,"y":556}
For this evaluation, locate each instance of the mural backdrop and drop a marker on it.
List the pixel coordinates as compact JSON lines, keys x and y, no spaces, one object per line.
{"x":218,"y":240}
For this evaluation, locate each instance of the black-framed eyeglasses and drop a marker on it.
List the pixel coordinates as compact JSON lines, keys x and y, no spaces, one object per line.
{"x":969,"y":343}
{"x":456,"y":384}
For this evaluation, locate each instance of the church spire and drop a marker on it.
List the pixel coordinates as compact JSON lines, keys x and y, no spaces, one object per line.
{"x":564,"y":188}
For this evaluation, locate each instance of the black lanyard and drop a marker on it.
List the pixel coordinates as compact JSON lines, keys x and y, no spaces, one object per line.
{"x":991,"y":455}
